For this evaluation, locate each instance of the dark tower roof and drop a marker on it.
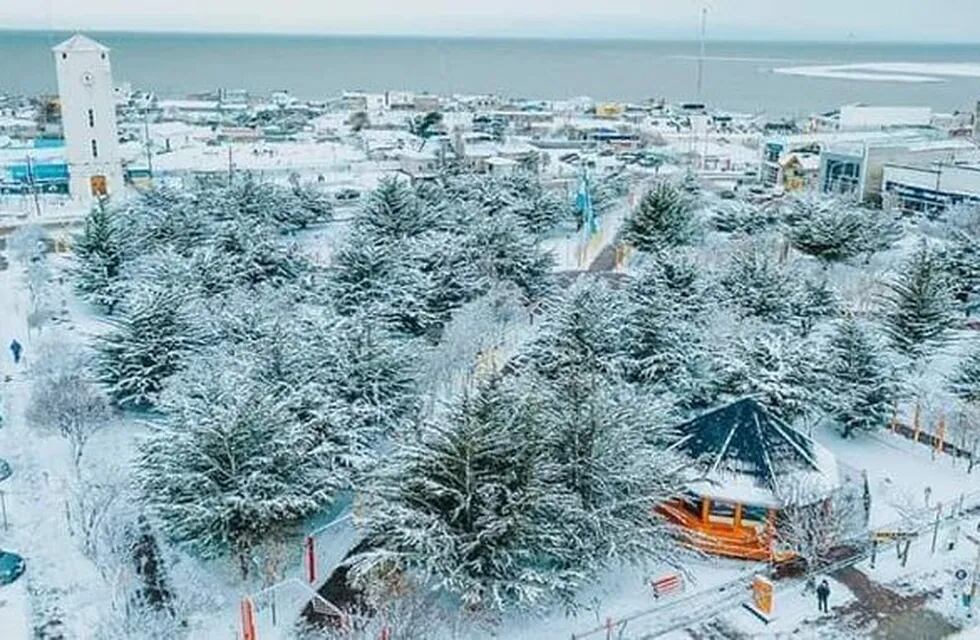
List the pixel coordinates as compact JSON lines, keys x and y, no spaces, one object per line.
{"x":743,"y":438}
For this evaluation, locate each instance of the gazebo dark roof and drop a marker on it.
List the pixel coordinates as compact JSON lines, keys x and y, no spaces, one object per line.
{"x":743,"y":438}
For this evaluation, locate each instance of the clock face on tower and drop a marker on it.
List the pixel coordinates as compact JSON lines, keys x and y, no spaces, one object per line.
{"x":87,"y":79}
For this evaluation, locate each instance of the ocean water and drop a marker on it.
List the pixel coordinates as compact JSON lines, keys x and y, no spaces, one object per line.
{"x":738,"y":76}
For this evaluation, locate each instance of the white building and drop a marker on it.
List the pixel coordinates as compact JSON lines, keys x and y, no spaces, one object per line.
{"x":931,"y":188}
{"x":855,"y":117}
{"x":88,"y":116}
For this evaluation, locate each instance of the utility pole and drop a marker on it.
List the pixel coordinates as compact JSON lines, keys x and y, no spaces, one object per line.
{"x":146,"y":138}
{"x":704,"y":21}
{"x":33,"y":185}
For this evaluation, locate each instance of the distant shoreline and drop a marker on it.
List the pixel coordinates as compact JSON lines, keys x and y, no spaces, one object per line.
{"x":653,"y":38}
{"x":739,"y":75}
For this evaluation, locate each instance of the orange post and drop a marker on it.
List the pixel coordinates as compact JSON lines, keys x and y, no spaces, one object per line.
{"x":762,"y":592}
{"x":916,"y":422}
{"x":248,"y":620}
{"x":941,"y":433}
{"x":705,"y":509}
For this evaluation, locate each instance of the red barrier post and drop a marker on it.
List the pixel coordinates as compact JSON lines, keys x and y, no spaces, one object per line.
{"x":310,"y":559}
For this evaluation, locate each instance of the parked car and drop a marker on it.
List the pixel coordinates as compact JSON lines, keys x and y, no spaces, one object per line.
{"x":11,"y":567}
{"x":347,"y":195}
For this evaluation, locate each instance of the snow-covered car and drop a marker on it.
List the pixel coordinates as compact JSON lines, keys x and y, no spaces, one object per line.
{"x":346,"y":195}
{"x":11,"y":567}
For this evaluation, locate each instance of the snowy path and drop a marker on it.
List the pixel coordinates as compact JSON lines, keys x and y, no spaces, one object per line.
{"x":14,"y":602}
{"x":61,"y":587}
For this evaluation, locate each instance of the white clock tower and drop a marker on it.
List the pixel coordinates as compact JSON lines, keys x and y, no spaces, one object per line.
{"x":88,"y":117}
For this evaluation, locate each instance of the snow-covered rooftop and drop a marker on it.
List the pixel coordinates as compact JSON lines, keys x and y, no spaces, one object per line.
{"x":745,"y":454}
{"x":79,"y":42}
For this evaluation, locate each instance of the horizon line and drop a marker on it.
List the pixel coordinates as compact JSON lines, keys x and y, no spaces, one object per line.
{"x":472,"y":36}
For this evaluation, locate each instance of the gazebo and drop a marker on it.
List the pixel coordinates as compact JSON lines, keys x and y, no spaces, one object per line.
{"x":748,"y":464}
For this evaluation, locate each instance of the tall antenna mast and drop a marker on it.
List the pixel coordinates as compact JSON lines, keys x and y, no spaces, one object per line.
{"x":704,"y":21}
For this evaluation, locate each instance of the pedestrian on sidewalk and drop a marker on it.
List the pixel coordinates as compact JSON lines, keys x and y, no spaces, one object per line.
{"x":15,"y":349}
{"x":823,"y":594}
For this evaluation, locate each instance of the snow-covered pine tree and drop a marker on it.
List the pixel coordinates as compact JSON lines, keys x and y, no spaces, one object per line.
{"x":581,"y":335}
{"x":523,"y":196}
{"x":740,"y":216}
{"x":99,"y":257}
{"x":962,"y":257}
{"x":150,"y":337}
{"x":256,"y":253}
{"x":394,"y":212}
{"x":167,"y":218}
{"x":861,"y":383}
{"x":827,"y":229}
{"x":310,"y":205}
{"x":359,"y":386}
{"x":964,"y":383}
{"x":918,"y":305}
{"x":414,"y":276}
{"x":228,"y":468}
{"x":606,"y":444}
{"x":664,"y":218}
{"x":463,"y":510}
{"x":664,"y":330}
{"x":778,"y":368}
{"x":608,"y":191}
{"x":505,"y":253}
{"x":880,"y":231}
{"x":363,"y":273}
{"x":449,"y":271}
{"x":813,"y":299}
{"x":605,"y":440}
{"x":757,"y":284}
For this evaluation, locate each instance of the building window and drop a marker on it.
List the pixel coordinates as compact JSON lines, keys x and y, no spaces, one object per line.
{"x":91,"y":118}
{"x":841,"y":176}
{"x":64,"y":56}
{"x":95,"y":149}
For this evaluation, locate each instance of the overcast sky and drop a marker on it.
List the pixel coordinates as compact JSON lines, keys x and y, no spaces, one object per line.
{"x":907,"y":20}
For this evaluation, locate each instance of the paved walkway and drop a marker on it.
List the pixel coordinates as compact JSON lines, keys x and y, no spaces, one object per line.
{"x":887,"y":614}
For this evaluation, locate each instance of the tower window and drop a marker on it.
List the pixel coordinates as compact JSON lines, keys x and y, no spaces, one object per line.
{"x":64,"y":56}
{"x":95,"y":149}
{"x":91,"y":118}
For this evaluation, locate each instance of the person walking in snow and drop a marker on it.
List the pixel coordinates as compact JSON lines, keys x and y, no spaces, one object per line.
{"x":15,"y":349}
{"x":823,"y":594}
